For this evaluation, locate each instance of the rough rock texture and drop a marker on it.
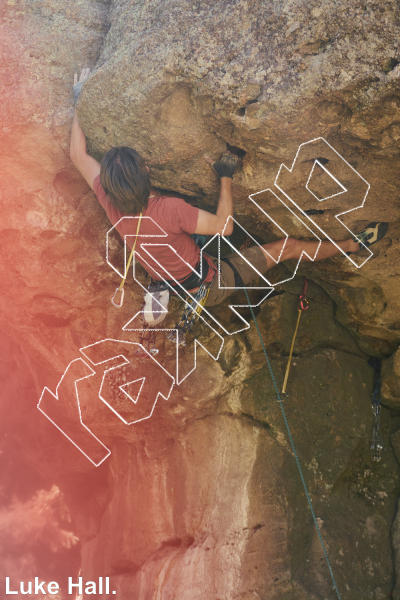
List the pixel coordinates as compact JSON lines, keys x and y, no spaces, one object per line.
{"x":391,"y":379}
{"x":204,"y":501}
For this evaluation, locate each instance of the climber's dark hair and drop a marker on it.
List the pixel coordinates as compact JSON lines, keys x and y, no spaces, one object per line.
{"x":125,"y":179}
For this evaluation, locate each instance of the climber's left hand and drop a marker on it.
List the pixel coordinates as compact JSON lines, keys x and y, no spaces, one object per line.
{"x":77,"y":87}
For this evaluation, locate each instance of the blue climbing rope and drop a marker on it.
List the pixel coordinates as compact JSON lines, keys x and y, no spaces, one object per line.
{"x":293,"y":447}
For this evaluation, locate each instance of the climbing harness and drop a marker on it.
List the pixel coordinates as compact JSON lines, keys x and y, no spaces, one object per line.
{"x":238,"y":279}
{"x":376,"y":438}
{"x":120,"y":288}
{"x":191,"y":314}
{"x":193,"y":281}
{"x":278,"y":396}
{"x":303,"y":305}
{"x":194,"y":304}
{"x":194,"y":307}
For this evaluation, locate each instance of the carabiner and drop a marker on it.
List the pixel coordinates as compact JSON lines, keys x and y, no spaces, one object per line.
{"x":121,"y":300}
{"x":303,"y":302}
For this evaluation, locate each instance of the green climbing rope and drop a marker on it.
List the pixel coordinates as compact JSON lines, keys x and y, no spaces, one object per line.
{"x":293,"y":448}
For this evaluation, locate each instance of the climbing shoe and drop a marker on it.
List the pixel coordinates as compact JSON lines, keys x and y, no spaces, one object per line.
{"x":373,"y":233}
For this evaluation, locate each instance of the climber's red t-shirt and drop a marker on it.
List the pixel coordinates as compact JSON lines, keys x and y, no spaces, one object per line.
{"x":165,"y":221}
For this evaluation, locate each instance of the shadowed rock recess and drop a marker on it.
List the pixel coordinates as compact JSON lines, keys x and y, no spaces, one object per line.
{"x":204,"y":501}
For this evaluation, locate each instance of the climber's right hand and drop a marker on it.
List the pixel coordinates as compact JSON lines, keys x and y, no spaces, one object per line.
{"x":77,"y":87}
{"x":226,"y":166}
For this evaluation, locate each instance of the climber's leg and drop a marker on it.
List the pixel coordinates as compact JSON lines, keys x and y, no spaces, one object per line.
{"x":266,"y":256}
{"x":294,"y":248}
{"x":257,"y":258}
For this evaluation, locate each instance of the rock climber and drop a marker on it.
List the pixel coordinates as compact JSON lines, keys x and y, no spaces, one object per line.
{"x":122,"y":185}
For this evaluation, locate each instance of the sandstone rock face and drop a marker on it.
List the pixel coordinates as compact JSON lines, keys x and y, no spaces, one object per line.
{"x":204,"y":500}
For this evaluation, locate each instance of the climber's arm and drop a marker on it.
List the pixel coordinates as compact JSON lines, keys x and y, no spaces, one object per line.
{"x":209,"y":224}
{"x":87,"y":165}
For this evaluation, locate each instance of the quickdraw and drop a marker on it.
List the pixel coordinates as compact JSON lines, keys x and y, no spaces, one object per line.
{"x":376,"y":445}
{"x":303,"y":305}
{"x":191,"y":313}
